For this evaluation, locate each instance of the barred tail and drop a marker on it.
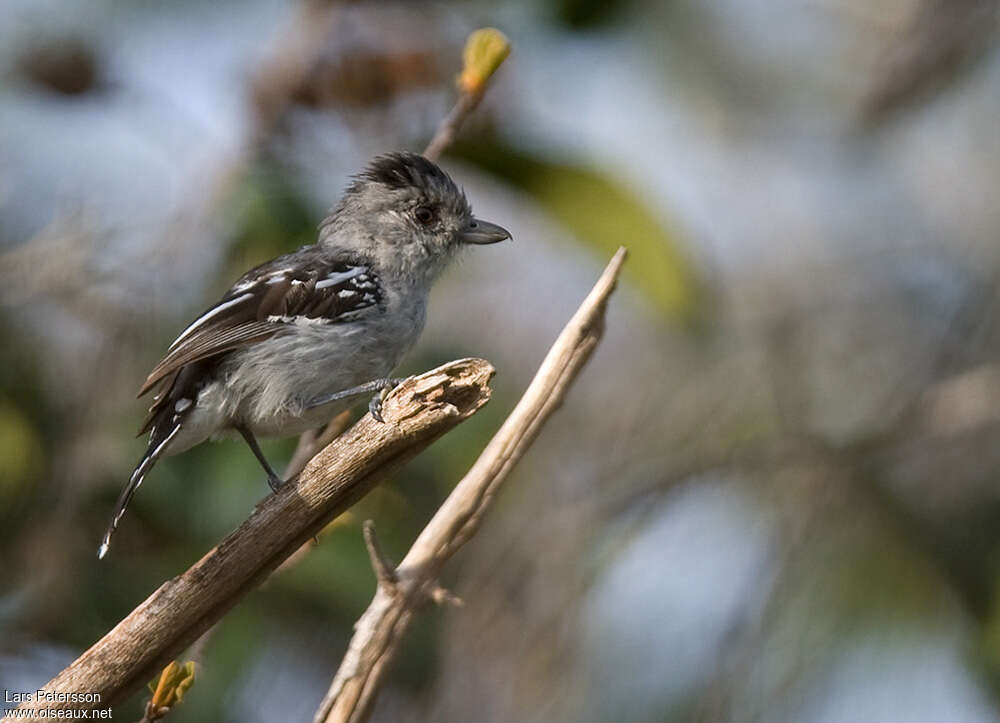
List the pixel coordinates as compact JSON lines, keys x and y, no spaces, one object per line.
{"x":156,"y":446}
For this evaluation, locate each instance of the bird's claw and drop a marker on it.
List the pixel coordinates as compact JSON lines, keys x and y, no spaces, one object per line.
{"x":375,"y":405}
{"x":274,"y":482}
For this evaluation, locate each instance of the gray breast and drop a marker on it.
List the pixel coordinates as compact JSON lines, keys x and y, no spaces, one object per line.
{"x":271,"y":382}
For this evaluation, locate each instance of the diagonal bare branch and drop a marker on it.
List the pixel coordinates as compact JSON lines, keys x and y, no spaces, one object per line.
{"x":416,"y":413}
{"x":380,"y":629}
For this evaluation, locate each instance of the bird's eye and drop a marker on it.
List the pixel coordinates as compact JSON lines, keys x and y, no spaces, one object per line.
{"x":424,"y":214}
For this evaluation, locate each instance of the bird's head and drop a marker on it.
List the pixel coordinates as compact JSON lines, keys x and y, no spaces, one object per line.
{"x":404,"y":208}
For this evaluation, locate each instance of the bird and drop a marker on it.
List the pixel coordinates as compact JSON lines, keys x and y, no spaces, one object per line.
{"x":300,"y":338}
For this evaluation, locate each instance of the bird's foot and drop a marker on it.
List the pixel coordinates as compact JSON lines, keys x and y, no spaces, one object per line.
{"x":274,"y":481}
{"x":375,"y":405}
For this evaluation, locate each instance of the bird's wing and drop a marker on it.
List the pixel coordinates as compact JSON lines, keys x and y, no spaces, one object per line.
{"x":268,"y":299}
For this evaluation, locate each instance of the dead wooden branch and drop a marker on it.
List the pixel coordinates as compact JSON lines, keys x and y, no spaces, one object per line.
{"x":416,"y":413}
{"x":381,"y":627}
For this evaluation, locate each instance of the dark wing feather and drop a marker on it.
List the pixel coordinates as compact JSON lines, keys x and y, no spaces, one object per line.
{"x":267,"y":300}
{"x":307,"y":286}
{"x":207,"y":344}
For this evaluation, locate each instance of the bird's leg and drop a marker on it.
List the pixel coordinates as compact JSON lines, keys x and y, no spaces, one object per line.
{"x":382,"y":386}
{"x":273,"y":479}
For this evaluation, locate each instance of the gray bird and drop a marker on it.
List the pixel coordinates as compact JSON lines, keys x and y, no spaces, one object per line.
{"x":299,"y":338}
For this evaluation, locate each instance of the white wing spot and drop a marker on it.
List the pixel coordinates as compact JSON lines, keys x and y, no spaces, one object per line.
{"x":181,"y":405}
{"x":347,"y":293}
{"x":341,"y":277}
{"x":298,"y":320}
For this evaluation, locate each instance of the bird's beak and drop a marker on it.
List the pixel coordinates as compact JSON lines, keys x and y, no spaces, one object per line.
{"x":483,"y":232}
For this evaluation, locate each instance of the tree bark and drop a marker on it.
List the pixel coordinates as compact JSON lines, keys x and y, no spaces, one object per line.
{"x":416,"y":413}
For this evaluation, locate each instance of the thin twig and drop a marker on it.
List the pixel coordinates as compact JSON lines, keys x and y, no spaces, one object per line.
{"x":448,"y":129}
{"x":416,"y":413}
{"x":485,"y":50}
{"x":381,"y":627}
{"x":384,"y":571}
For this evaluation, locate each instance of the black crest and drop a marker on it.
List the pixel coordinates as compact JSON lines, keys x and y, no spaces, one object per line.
{"x":408,"y":170}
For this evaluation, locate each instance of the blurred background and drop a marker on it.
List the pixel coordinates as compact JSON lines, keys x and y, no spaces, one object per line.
{"x":773,"y":494}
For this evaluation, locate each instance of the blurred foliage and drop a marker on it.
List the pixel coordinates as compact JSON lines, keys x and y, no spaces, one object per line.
{"x":944,"y":40}
{"x":362,"y":80}
{"x":20,"y":453}
{"x":270,"y":218}
{"x":67,"y":66}
{"x":603,"y":215}
{"x":589,"y":14}
{"x":987,"y":650}
{"x":856,"y":563}
{"x":25,"y":423}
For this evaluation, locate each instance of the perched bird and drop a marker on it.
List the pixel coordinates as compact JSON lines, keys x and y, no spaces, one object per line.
{"x":300,"y":338}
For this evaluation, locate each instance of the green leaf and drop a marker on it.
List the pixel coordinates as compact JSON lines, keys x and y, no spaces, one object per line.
{"x":603,"y":215}
{"x":484,"y":51}
{"x":169,"y":688}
